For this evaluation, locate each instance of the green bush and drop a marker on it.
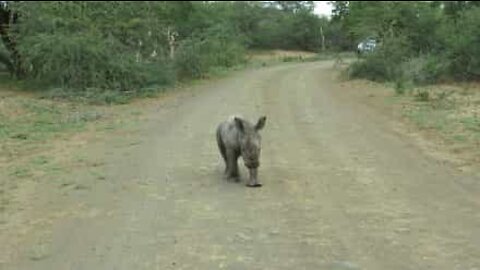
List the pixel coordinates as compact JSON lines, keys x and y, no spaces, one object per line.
{"x":463,"y":51}
{"x":80,"y":61}
{"x":71,"y":46}
{"x":105,"y":47}
{"x":196,"y":56}
{"x":422,"y":95}
{"x":421,"y":43}
{"x":401,"y":87}
{"x":373,"y":68}
{"x":424,"y":69}
{"x":383,"y":63}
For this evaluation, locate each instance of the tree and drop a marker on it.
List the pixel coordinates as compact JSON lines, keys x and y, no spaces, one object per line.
{"x":295,"y":6}
{"x":124,"y":46}
{"x":339,"y":11}
{"x":12,"y":60}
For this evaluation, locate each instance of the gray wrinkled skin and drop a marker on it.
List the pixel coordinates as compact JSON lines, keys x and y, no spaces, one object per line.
{"x":238,"y":137}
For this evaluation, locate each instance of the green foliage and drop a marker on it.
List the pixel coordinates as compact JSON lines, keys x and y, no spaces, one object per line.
{"x":383,"y":64}
{"x":462,"y":40}
{"x":337,"y":37}
{"x":5,"y":61}
{"x":417,"y":42}
{"x":41,"y":120}
{"x":105,"y":50}
{"x":294,"y":6}
{"x":424,"y":69}
{"x":400,"y":87}
{"x":472,"y":123}
{"x":81,"y":45}
{"x":127,"y":47}
{"x":196,"y":56}
{"x":79,"y":61}
{"x":373,"y":68}
{"x":422,"y":95}
{"x":289,"y":27}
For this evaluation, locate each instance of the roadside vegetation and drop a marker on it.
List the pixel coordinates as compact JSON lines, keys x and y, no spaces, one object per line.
{"x":428,"y":54}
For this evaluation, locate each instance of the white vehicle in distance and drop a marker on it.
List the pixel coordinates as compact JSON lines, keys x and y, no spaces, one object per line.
{"x":366,"y":46}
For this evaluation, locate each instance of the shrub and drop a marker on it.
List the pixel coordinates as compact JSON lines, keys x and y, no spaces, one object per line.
{"x":463,"y":51}
{"x":80,"y":61}
{"x":422,"y":95}
{"x":383,"y":63}
{"x":72,"y":47}
{"x":197,"y":56}
{"x":424,"y":69}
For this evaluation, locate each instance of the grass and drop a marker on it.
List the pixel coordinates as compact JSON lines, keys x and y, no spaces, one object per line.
{"x":30,"y":129}
{"x":64,"y":161}
{"x":27,"y":122}
{"x":41,"y":142}
{"x":103,"y":97}
{"x":448,"y":114}
{"x":427,"y":118}
{"x":471,"y":123}
{"x":20,"y":172}
{"x":460,"y":138}
{"x":451,"y":112}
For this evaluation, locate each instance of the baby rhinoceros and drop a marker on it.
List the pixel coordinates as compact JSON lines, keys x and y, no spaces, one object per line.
{"x":238,"y":137}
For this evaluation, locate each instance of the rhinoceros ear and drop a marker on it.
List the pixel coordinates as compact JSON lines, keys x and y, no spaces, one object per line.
{"x":261,"y":123}
{"x":239,"y":123}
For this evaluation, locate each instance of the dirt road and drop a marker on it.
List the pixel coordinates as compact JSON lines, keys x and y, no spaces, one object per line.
{"x":342,"y":189}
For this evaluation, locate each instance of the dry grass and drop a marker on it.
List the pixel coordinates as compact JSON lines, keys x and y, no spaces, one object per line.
{"x":278,"y":55}
{"x":452,"y":112}
{"x":444,"y":119}
{"x":39,"y":138}
{"x":41,"y":148}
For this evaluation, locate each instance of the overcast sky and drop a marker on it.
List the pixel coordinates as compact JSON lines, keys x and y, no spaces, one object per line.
{"x":323,"y":8}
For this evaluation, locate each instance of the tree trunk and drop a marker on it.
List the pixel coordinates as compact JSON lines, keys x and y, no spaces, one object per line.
{"x":171,"y":35}
{"x":13,"y":63}
{"x":323,"y":38}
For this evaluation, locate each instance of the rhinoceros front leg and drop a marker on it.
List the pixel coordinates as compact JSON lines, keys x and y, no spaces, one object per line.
{"x":232,"y":165}
{"x":253,"y":180}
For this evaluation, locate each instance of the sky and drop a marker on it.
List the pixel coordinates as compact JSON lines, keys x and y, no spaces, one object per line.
{"x":323,"y":8}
